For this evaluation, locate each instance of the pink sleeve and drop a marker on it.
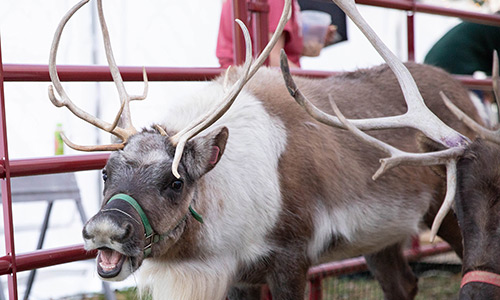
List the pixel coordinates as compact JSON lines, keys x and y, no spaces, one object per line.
{"x":224,"y":50}
{"x":275,"y":10}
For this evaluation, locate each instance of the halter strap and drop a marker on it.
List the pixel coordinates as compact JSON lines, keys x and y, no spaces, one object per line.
{"x":149,"y":234}
{"x":481,"y":276}
{"x":145,"y":222}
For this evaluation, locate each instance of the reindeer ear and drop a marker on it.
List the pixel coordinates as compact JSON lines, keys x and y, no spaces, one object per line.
{"x":218,"y":146}
{"x":204,"y":152}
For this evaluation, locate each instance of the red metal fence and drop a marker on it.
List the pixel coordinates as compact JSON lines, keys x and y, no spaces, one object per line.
{"x":12,"y":263}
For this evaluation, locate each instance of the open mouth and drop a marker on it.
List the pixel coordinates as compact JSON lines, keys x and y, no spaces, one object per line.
{"x":109,"y":262}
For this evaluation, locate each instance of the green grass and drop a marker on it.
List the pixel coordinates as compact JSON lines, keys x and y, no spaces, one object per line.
{"x":434,"y":283}
{"x":441,"y":285}
{"x":125,"y":294}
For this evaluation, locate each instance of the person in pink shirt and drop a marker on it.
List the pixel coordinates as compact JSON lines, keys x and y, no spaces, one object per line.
{"x":290,"y":40}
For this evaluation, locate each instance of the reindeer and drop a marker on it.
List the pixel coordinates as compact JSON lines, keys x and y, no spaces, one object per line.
{"x":224,"y":195}
{"x":471,"y":172}
{"x":473,"y":179}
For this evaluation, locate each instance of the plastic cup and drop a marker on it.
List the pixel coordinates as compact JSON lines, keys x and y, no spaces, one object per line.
{"x":314,"y":28}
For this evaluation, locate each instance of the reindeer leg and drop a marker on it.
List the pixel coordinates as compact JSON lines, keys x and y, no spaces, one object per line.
{"x":287,"y":276}
{"x":245,"y":292}
{"x":393,"y":273}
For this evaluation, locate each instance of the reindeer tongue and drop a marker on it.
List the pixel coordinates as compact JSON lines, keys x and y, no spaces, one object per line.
{"x":110,"y":262}
{"x":109,"y":258}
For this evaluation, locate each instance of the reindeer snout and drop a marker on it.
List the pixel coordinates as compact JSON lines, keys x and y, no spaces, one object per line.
{"x":119,"y":239}
{"x":86,"y":235}
{"x":107,"y":227}
{"x":112,"y":228}
{"x":102,"y":230}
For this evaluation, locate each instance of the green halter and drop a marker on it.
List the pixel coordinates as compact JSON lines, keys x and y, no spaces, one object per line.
{"x":149,"y":233}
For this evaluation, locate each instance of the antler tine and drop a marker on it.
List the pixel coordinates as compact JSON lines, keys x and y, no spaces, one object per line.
{"x":226,"y":79}
{"x":181,"y":138}
{"x":110,"y":147}
{"x":123,"y":117}
{"x":285,"y":16}
{"x":247,"y":74}
{"x":496,"y":80}
{"x":120,"y":132}
{"x":209,"y":118}
{"x":434,"y":128}
{"x":52,"y":60}
{"x":451,"y":188}
{"x":397,"y":157}
{"x":319,"y":115}
{"x":409,"y":119}
{"x":492,"y":135}
{"x":65,"y":100}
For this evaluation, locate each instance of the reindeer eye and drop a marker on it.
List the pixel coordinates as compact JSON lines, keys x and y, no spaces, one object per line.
{"x":176,"y":185}
{"x":104,"y":175}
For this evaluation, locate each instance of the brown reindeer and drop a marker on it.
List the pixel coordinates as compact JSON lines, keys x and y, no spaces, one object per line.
{"x":473,"y":178}
{"x":255,"y":191}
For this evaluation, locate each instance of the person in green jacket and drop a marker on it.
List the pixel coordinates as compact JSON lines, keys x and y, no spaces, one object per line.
{"x":465,"y":49}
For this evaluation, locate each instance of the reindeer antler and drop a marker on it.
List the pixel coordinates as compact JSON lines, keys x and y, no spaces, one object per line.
{"x":491,"y":135}
{"x":180,"y":139}
{"x":496,"y":78}
{"x":417,"y":111}
{"x":122,"y":126}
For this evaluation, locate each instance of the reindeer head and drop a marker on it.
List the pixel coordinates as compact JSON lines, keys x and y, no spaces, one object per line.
{"x":473,"y":164}
{"x":477,"y":205}
{"x":152,"y":178}
{"x":147,"y":208}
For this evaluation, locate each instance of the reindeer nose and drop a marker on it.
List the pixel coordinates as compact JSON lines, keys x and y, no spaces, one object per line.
{"x":86,"y":235}
{"x":122,"y":231}
{"x":116,"y":222}
{"x":129,"y":230}
{"x":111,"y":223}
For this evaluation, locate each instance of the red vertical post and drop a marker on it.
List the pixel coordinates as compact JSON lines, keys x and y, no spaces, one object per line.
{"x":315,"y":289}
{"x":410,"y":19}
{"x":239,"y":12}
{"x":260,"y":14}
{"x":6,"y":193}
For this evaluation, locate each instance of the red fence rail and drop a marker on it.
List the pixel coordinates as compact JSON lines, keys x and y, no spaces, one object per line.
{"x":11,"y":264}
{"x":6,"y":193}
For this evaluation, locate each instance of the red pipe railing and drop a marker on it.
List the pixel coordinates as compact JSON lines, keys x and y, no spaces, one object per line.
{"x":6,"y":191}
{"x":358,"y":264}
{"x":28,"y":73}
{"x":11,"y":263}
{"x":37,"y":73}
{"x":44,"y":258}
{"x":412,"y":5}
{"x":55,"y":164}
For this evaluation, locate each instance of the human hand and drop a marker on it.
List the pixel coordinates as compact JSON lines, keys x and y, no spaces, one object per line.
{"x":331,"y":35}
{"x":313,"y":47}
